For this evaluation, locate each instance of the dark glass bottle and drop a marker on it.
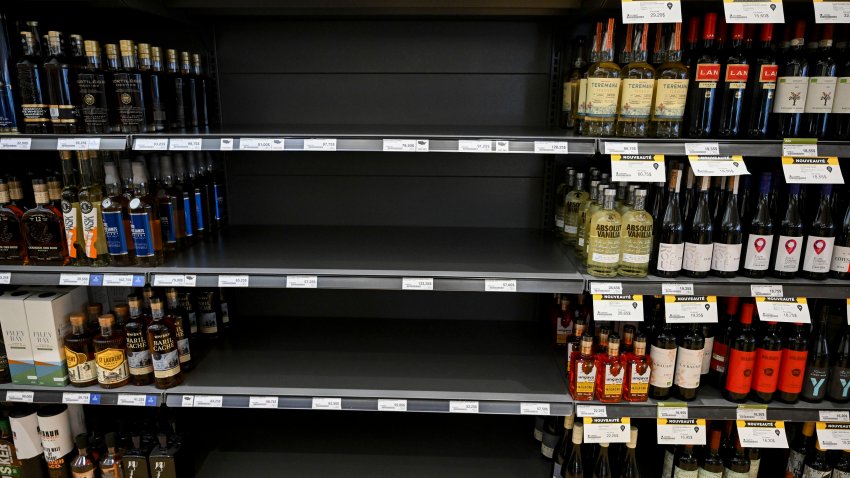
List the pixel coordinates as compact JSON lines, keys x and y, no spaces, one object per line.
{"x":703,"y":94}
{"x":726,"y":253}
{"x":712,"y":463}
{"x":130,"y":91}
{"x":689,"y":357}
{"x":190,"y":90}
{"x":165,"y":355}
{"x":8,"y":108}
{"x":43,"y":230}
{"x":821,"y":91}
{"x":742,"y":357}
{"x":820,"y":239}
{"x":768,"y":363}
{"x":763,"y":86}
{"x":817,"y":363}
{"x":699,"y":237}
{"x":843,"y":465}
{"x":839,"y":267}
{"x":152,"y":80}
{"x":788,"y":244}
{"x":95,"y":92}
{"x":663,"y":356}
{"x":61,"y":88}
{"x":628,"y":467}
{"x":799,"y":448}
{"x":602,"y":469}
{"x":839,"y":374}
{"x":12,"y":245}
{"x":669,"y":244}
{"x":792,"y":86}
{"x":816,"y":464}
{"x":688,"y":195}
{"x":36,"y":113}
{"x":564,"y":445}
{"x":686,"y":463}
{"x":794,"y":357}
{"x":841,"y":105}
{"x":738,"y":464}
{"x":177,"y":102}
{"x":202,"y":91}
{"x":759,"y":234}
{"x":573,"y":466}
{"x":733,"y":91}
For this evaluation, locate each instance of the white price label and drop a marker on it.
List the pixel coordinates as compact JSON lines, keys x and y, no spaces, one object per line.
{"x":783,"y":309}
{"x":614,"y":147}
{"x":325,"y":403}
{"x":15,"y":144}
{"x":463,"y":406}
{"x":551,"y":147}
{"x":118,"y":280}
{"x":150,"y":144}
{"x":225,"y":144}
{"x":827,"y":11}
{"x":405,"y":145}
{"x":751,"y":412}
{"x":620,"y":308}
{"x":833,"y":436}
{"x":19,"y":396}
{"x":773,"y":290}
{"x":754,"y":11}
{"x":392,"y":405}
{"x":606,"y":287}
{"x":502,"y":146}
{"x":702,"y":149}
{"x":672,"y":410}
{"x":188,"y":401}
{"x":681,"y":431}
{"x":607,"y":430}
{"x":596,"y":411}
{"x":839,"y":416}
{"x":526,"y":408}
{"x":499,"y":285}
{"x":208,"y":401}
{"x":320,"y":144}
{"x":718,"y":165}
{"x":652,"y":11}
{"x":5,"y":278}
{"x":184,"y":144}
{"x":302,"y":282}
{"x":694,"y":309}
{"x":262,"y":402}
{"x":645,"y":168}
{"x":797,"y":148}
{"x":78,"y":144}
{"x":474,"y":146}
{"x":133,"y":399}
{"x":812,"y":170}
{"x":73,"y":279}
{"x":174,"y":280}
{"x":233,"y":281}
{"x":417,"y":283}
{"x":675,"y":288}
{"x":261,"y":144}
{"x":79,"y":398}
{"x":762,"y":434}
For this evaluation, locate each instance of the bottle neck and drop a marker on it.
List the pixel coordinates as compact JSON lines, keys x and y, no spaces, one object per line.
{"x":129,"y":62}
{"x":68,"y":173}
{"x":78,"y":329}
{"x":106,"y":330}
{"x":608,"y":201}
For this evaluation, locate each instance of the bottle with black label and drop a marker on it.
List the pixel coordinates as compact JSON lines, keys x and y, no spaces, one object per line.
{"x":61,"y":88}
{"x":129,"y":91}
{"x":136,"y":458}
{"x":150,"y":65}
{"x":839,"y":374}
{"x":94,"y":88}
{"x":165,"y":356}
{"x":817,"y":364}
{"x":31,"y":88}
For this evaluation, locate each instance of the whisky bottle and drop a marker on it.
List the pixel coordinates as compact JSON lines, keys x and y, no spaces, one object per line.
{"x":12,"y":245}
{"x":171,"y":215}
{"x":603,"y":245}
{"x":638,"y":88}
{"x":583,"y":372}
{"x":186,"y":187}
{"x":43,"y":230}
{"x":54,"y":191}
{"x":152,"y":80}
{"x":82,"y":466}
{"x":130,"y":92}
{"x":572,"y":202}
{"x":79,"y":352}
{"x":671,"y":92}
{"x":109,"y":346}
{"x":144,"y":221}
{"x":93,"y":312}
{"x":94,"y":89}
{"x":162,"y":339}
{"x":177,"y":100}
{"x":190,"y":90}
{"x":61,"y":87}
{"x":111,"y":465}
{"x":16,"y":195}
{"x":116,"y":220}
{"x":636,"y":240}
{"x":180,"y":319}
{"x":122,"y":315}
{"x":610,"y":373}
{"x":187,"y":308}
{"x":603,"y":86}
{"x":201,"y":91}
{"x":208,"y":318}
{"x":198,"y":198}
{"x":31,"y":88}
{"x":570,"y":91}
{"x":110,"y":67}
{"x":71,"y":216}
{"x":138,"y":353}
{"x":91,"y":197}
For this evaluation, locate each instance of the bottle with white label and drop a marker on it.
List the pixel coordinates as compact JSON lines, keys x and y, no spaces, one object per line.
{"x":689,"y":356}
{"x":663,"y":355}
{"x":792,"y":86}
{"x":727,"y":234}
{"x":636,"y":238}
{"x":603,"y":243}
{"x":788,"y":242}
{"x":696,"y":261}
{"x":603,"y":85}
{"x":758,"y":240}
{"x":669,"y":245}
{"x":560,"y":194}
{"x":840,"y":266}
{"x":821,"y":91}
{"x":820,"y":240}
{"x":71,"y":218}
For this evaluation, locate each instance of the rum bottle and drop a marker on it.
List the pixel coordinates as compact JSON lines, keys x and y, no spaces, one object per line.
{"x":31,"y":88}
{"x":110,"y":355}
{"x":794,"y":356}
{"x":116,"y":221}
{"x":703,"y":94}
{"x":82,"y":466}
{"x":95,"y":92}
{"x":671,"y":92}
{"x":638,"y":87}
{"x":603,"y":245}
{"x":61,"y":87}
{"x":603,"y":86}
{"x":583,"y":373}
{"x":610,"y":373}
{"x":79,"y":353}
{"x":144,"y":222}
{"x":792,"y":86}
{"x":43,"y":230}
{"x":162,"y":339}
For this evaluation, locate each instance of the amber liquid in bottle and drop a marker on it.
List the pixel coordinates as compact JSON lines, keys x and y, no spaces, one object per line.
{"x":610,"y":372}
{"x":638,"y":368}
{"x":138,"y":353}
{"x":163,"y":346}
{"x":583,"y":374}
{"x":637,"y":89}
{"x":79,"y":353}
{"x":671,"y":92}
{"x":109,"y":346}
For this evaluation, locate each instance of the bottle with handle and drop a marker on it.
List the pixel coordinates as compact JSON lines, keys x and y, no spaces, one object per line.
{"x":820,"y":240}
{"x":817,"y":363}
{"x":696,"y":261}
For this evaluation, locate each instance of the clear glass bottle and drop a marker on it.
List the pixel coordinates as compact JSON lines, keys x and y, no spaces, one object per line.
{"x":91,"y":199}
{"x":44,"y":230}
{"x":638,"y":89}
{"x":583,"y":373}
{"x":569,"y":102}
{"x":587,"y":212}
{"x":116,"y":220}
{"x":636,"y":238}
{"x":572,"y":203}
{"x":145,"y":225}
{"x":603,"y":87}
{"x":603,"y":245}
{"x":582,"y":219}
{"x":671,"y":92}
{"x":610,"y":373}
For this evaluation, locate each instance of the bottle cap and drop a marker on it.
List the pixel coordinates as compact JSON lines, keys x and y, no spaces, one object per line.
{"x":77,"y":319}
{"x":111,"y":439}
{"x":127,"y":47}
{"x":709,"y":26}
{"x":82,"y":441}
{"x":144,"y":50}
{"x":122,"y":309}
{"x":578,"y":433}
{"x":106,"y":320}
{"x":633,"y":435}
{"x":569,"y":421}
{"x":766,"y":32}
{"x":94,"y":308}
{"x":156,"y":53}
{"x":738,"y":31}
{"x":747,"y":313}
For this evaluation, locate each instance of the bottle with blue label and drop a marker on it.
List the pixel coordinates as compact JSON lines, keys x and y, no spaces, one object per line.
{"x":116,"y":220}
{"x":186,"y":198}
{"x":171,"y":211}
{"x":145,"y":227}
{"x":195,"y":188}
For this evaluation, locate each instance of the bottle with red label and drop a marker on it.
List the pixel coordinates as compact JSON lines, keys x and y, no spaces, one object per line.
{"x":583,"y":373}
{"x":788,"y":243}
{"x":638,"y":368}
{"x":610,"y":373}
{"x":762,"y":86}
{"x":793,"y":367}
{"x":706,"y":73}
{"x":742,"y":358}
{"x":792,"y":86}
{"x":768,"y":361}
{"x":820,"y":240}
{"x":734,"y":86}
{"x":720,"y":348}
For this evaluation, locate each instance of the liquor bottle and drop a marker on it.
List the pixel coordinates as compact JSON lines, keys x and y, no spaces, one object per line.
{"x":138,"y":351}
{"x":686,"y":464}
{"x":839,"y":374}
{"x":152,"y":81}
{"x":788,"y":243}
{"x":817,"y":363}
{"x":610,"y":373}
{"x":602,"y":469}
{"x":628,"y":467}
{"x":603,"y":86}
{"x":220,"y":193}
{"x":71,"y":216}
{"x":95,"y":91}
{"x":688,"y":363}
{"x":763,"y":86}
{"x":742,"y":358}
{"x":12,"y":246}
{"x":767,"y":365}
{"x":794,"y":357}
{"x":816,"y":464}
{"x":8,"y":110}
{"x":110,"y":355}
{"x":603,"y":331}
{"x":726,"y":254}
{"x":670,"y":241}
{"x":663,"y":356}
{"x":560,"y":198}
{"x":186,"y":307}
{"x":209,"y":320}
{"x":180,"y":319}
{"x":671,"y":92}
{"x":43,"y":230}
{"x":712,"y":463}
{"x":16,"y":194}
{"x":792,"y":86}
{"x":31,"y":88}
{"x":111,"y":465}
{"x":190,"y":95}
{"x":54,"y":191}
{"x":116,"y":220}
{"x":564,"y":446}
{"x":194,"y":186}
{"x":572,"y":202}
{"x":839,"y":266}
{"x":61,"y":91}
{"x":82,"y":466}
{"x":573,"y":466}
{"x":93,"y":313}
{"x":759,"y":234}
{"x":581,"y":220}
{"x":820,"y":239}
{"x":799,"y":449}
{"x":820,"y":95}
{"x":171,"y":215}
{"x":842,"y":467}
{"x":637,"y":88}
{"x":583,"y":372}
{"x":636,"y":242}
{"x":91,"y":198}
{"x":145,"y":225}
{"x":592,"y":208}
{"x":201,"y":91}
{"x":130,"y":92}
{"x":703,"y":94}
{"x":79,"y":352}
{"x":571,"y":84}
{"x":734,"y":87}
{"x":603,"y":243}
{"x":162,"y":339}
{"x":738,"y":465}
{"x":841,"y":105}
{"x":573,"y":343}
{"x":696,"y":260}
{"x":178,"y":103}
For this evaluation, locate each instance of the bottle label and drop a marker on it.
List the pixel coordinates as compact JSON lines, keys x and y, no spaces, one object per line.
{"x":636,"y":258}
{"x":667,"y":467}
{"x":840,"y":259}
{"x":840,"y":474}
{"x":209,"y":325}
{"x":670,"y":99}
{"x":718,"y":357}
{"x":572,"y":230}
{"x":567,"y":99}
{"x":706,"y":355}
{"x":697,"y":257}
{"x":754,"y":468}
{"x":788,"y":251}
{"x":585,"y":381}
{"x":187,"y":216}
{"x":602,"y":97}
{"x":613,"y":382}
{"x":736,"y":76}
{"x":131,"y":111}
{"x":663,"y":366}
{"x":63,"y":114}
{"x":168,"y":221}
{"x":740,"y":375}
{"x":139,"y":361}
{"x":570,"y":350}
{"x":727,"y":473}
{"x":791,"y":94}
{"x":792,"y":370}
{"x":639,"y":382}
{"x":166,"y":359}
{"x":69,"y":217}
{"x":605,"y":258}
{"x":839,"y":383}
{"x":92,"y":229}
{"x":219,"y":202}
{"x":113,"y":226}
{"x":821,"y":94}
{"x":726,"y":257}
{"x":140,"y":228}
{"x":680,"y":473}
{"x":93,"y":102}
{"x":709,"y":474}
{"x":199,"y":212}
{"x":707,"y":72}
{"x":582,"y":97}
{"x":670,"y":257}
{"x":111,"y":366}
{"x":758,"y":252}
{"x":795,"y":463}
{"x":688,"y":367}
{"x":636,"y":100}
{"x":559,"y":218}
{"x":193,"y":322}
{"x":29,"y":85}
{"x":80,"y":368}
{"x":841,"y":104}
{"x":183,"y":350}
{"x":814,"y":385}
{"x":83,"y":474}
{"x":767,"y":76}
{"x":818,"y":253}
{"x":812,"y":473}
{"x":766,"y":372}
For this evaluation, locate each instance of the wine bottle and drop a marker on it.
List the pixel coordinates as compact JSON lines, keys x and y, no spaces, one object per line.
{"x":799,"y":449}
{"x":759,"y":234}
{"x":726,"y":254}
{"x":839,"y":267}
{"x":768,"y":362}
{"x":820,"y":240}
{"x":573,"y":467}
{"x":763,"y":86}
{"x":792,"y":86}
{"x":686,"y":465}
{"x":842,"y":468}
{"x":738,"y":465}
{"x":734,"y":87}
{"x":663,"y":356}
{"x":689,"y":363}
{"x":629,"y":467}
{"x":562,"y":453}
{"x":657,"y":203}
{"x":821,"y":91}
{"x":816,"y":465}
{"x":712,"y":463}
{"x":669,"y":461}
{"x":703,"y":92}
{"x":708,"y":331}
{"x":670,"y":244}
{"x":841,"y":105}
{"x":720,"y":349}
{"x":688,"y":195}
{"x":602,"y":469}
{"x":788,"y":244}
{"x":791,"y":371}
{"x":754,"y":455}
{"x":742,"y":356}
{"x":696,"y":261}
{"x":839,"y":375}
{"x":817,"y":363}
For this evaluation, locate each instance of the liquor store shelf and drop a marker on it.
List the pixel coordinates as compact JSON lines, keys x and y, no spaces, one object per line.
{"x":130,"y":395}
{"x":53,"y":142}
{"x":744,"y":147}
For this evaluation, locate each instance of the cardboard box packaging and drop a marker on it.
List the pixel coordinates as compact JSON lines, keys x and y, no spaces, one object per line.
{"x":16,"y":334}
{"x":47,"y":317}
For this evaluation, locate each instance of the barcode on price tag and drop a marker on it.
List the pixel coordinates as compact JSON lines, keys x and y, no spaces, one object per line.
{"x":751,"y":412}
{"x":320,"y":144}
{"x":73,"y":279}
{"x":607,"y":430}
{"x":118,"y":280}
{"x":233,"y":281}
{"x":598,"y":411}
{"x":5,"y":278}
{"x":261,"y":144}
{"x":762,"y":434}
{"x":463,"y":406}
{"x":302,"y":282}
{"x":19,"y":396}
{"x":766,"y":290}
{"x":474,"y":146}
{"x":15,"y":144}
{"x":614,"y":147}
{"x":823,"y":170}
{"x":675,"y":288}
{"x":150,"y":144}
{"x":78,"y":144}
{"x":652,"y":11}
{"x":325,"y":403}
{"x":392,"y":405}
{"x":526,"y":408}
{"x":132,"y":399}
{"x":702,"y":149}
{"x":499,"y":285}
{"x":174,"y":280}
{"x":184,"y":144}
{"x":208,"y":401}
{"x":417,"y":283}
{"x":80,"y":398}
{"x":840,"y":416}
{"x":262,"y":402}
{"x":551,"y":147}
{"x":829,"y":11}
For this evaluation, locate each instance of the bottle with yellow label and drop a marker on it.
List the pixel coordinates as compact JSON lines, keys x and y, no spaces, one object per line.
{"x":671,"y":92}
{"x":603,"y":86}
{"x":637,"y":88}
{"x":79,"y":353}
{"x":110,"y":355}
{"x":91,"y":197}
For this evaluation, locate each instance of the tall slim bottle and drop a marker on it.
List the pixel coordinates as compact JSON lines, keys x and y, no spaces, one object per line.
{"x":202,"y":91}
{"x":603,"y":87}
{"x":838,"y":389}
{"x":178,"y":102}
{"x":8,"y":110}
{"x":116,"y":220}
{"x":794,"y":356}
{"x":792,"y":86}
{"x":671,"y":92}
{"x":768,"y":363}
{"x":663,"y":355}
{"x":70,"y":206}
{"x":839,"y":267}
{"x":820,"y":95}
{"x":130,"y":91}
{"x":759,"y":234}
{"x":690,"y":345}
{"x":727,"y":235}
{"x":820,"y":239}
{"x":569,"y":105}
{"x":603,"y":245}
{"x":788,"y":243}
{"x":602,"y":469}
{"x":817,"y":363}
{"x":574,"y":467}
{"x":696,"y":261}
{"x":95,"y":90}
{"x":742,"y":358}
{"x":763,"y":86}
{"x":584,"y":208}
{"x":703,"y":90}
{"x":841,"y":105}
{"x":152,"y":81}
{"x":670,"y":243}
{"x":61,"y":88}
{"x":572,"y":203}
{"x":36,"y":113}
{"x":91,"y":198}
{"x":190,"y":90}
{"x":637,"y":90}
{"x":733,"y":91}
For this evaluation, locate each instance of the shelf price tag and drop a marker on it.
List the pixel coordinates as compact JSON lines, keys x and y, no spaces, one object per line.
{"x":751,"y":412}
{"x":677,"y":288}
{"x":718,"y":165}
{"x":833,"y":416}
{"x":261,"y":144}
{"x":822,"y":170}
{"x":783,"y":309}
{"x":833,"y":436}
{"x":606,"y":287}
{"x":15,"y":144}
{"x":502,"y":146}
{"x":406,"y":145}
{"x":607,"y":430}
{"x":233,"y":281}
{"x":652,"y":11}
{"x":5,"y":278}
{"x":551,"y":147}
{"x":19,"y":396}
{"x":150,"y":144}
{"x":474,"y":146}
{"x":762,"y":434}
{"x":620,"y":308}
{"x":681,"y":431}
{"x":225,"y":144}
{"x":499,"y":285}
{"x":615,"y":147}
{"x":597,"y":411}
{"x":79,"y":398}
{"x":828,"y":11}
{"x":184,"y":144}
{"x":73,"y":279}
{"x":754,"y":11}
{"x":526,"y":408}
{"x":672,"y":410}
{"x":262,"y":402}
{"x":324,"y":403}
{"x":702,"y":149}
{"x":133,"y":399}
{"x":766,"y":290}
{"x":417,"y":283}
{"x":645,"y":168}
{"x":188,"y":401}
{"x":848,"y":311}
{"x":695,"y":309}
{"x":302,"y":282}
{"x":463,"y":406}
{"x":78,"y":144}
{"x":174,"y":280}
{"x":392,"y":405}
{"x":800,"y":147}
{"x":208,"y":401}
{"x":320,"y":144}
{"x":121,"y":280}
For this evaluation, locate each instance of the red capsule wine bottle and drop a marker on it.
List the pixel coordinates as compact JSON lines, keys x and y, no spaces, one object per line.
{"x":817,"y":363}
{"x":726,"y":253}
{"x":703,"y":90}
{"x":734,"y":87}
{"x":820,"y":240}
{"x":720,"y":348}
{"x":670,"y":243}
{"x":758,"y":240}
{"x":768,"y":362}
{"x":696,"y":261}
{"x":742,"y":357}
{"x":793,"y":367}
{"x":762,"y":86}
{"x":788,"y":243}
{"x":792,"y":86}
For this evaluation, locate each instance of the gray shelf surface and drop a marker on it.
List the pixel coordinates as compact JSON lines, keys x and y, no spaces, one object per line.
{"x":97,"y":396}
{"x":771,"y":148}
{"x":50,"y":142}
{"x":426,"y":362}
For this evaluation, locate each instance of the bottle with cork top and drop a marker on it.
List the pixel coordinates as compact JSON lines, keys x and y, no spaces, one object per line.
{"x":44,"y":230}
{"x":79,"y":353}
{"x":110,"y":355}
{"x":583,"y":373}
